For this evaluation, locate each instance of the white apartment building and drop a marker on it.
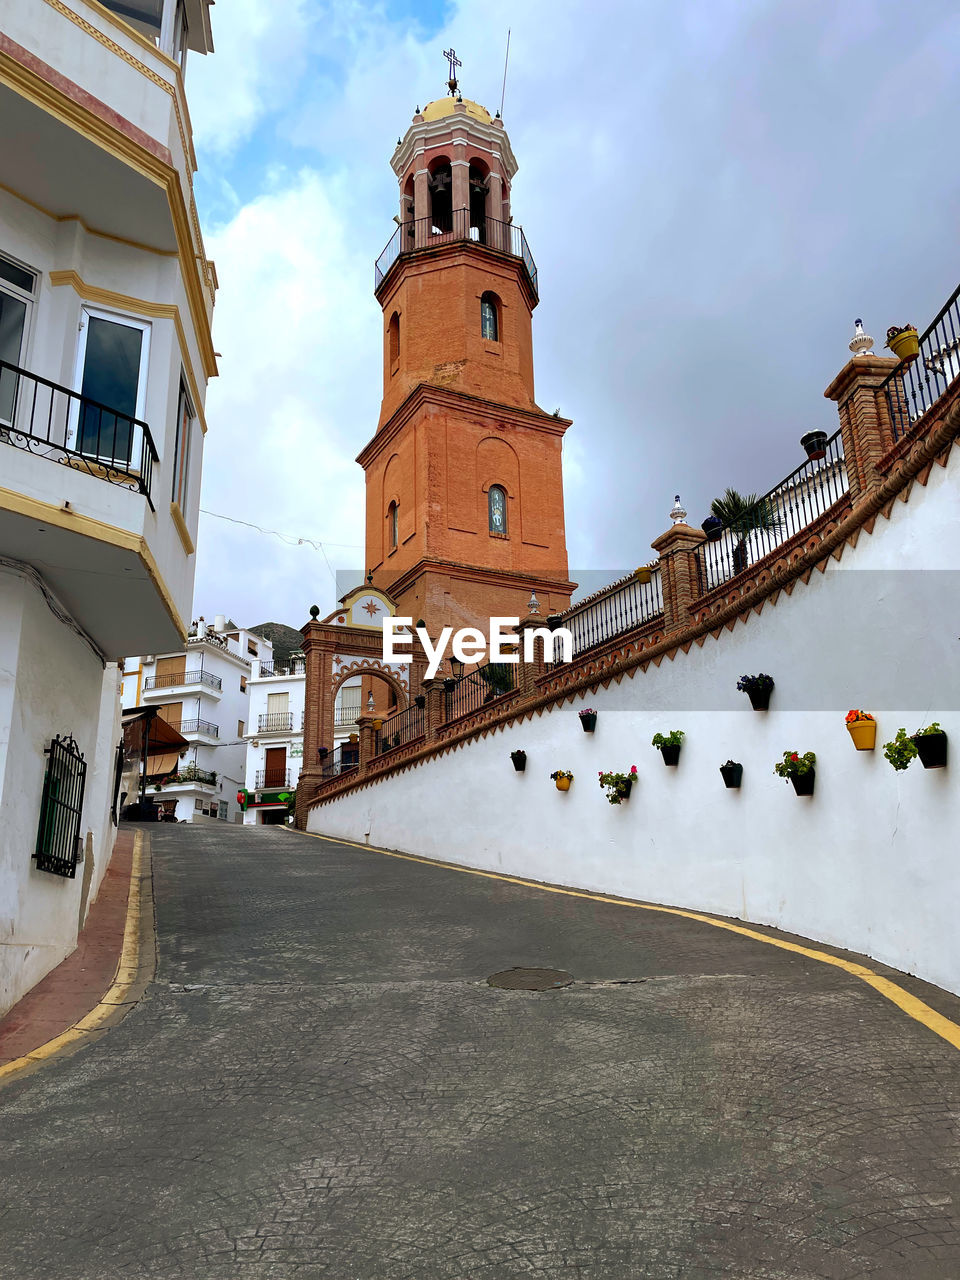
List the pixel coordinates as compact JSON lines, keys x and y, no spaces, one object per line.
{"x":204,"y":692}
{"x":106,"y":297}
{"x":275,"y":739}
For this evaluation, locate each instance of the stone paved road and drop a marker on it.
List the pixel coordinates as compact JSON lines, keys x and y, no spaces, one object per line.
{"x":320,"y":1083}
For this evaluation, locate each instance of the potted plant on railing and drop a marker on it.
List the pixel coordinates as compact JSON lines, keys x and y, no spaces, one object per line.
{"x":862,"y":728}
{"x":669,"y":745}
{"x":798,"y":769}
{"x":498,"y":676}
{"x":758,"y":689}
{"x":643,"y":574}
{"x":815,"y":443}
{"x":931,"y":744}
{"x":420,"y":700}
{"x":904,"y":341}
{"x":378,"y":725}
{"x":563,"y":779}
{"x":744,"y":514}
{"x":618,"y":785}
{"x":732,"y":774}
{"x":713,"y":528}
{"x":588,"y":720}
{"x":519,"y":759}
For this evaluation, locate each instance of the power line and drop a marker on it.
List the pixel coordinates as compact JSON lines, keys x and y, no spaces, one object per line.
{"x":290,"y":539}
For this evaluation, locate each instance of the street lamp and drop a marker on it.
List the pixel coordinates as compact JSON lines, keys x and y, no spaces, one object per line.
{"x":456,"y":668}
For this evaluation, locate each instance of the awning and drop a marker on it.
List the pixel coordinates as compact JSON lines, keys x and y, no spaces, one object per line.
{"x":144,"y":727}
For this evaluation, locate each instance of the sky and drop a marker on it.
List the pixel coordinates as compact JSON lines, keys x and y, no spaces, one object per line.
{"x":713,"y":191}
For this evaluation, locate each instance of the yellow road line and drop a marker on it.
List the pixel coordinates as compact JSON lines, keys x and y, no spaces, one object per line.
{"x":911,"y":1005}
{"x":117,"y":992}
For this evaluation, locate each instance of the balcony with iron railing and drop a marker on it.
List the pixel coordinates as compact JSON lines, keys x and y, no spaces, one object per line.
{"x":182,"y":679}
{"x":294,"y":667}
{"x":275,"y":722}
{"x":54,"y":422}
{"x":266,"y":778}
{"x":422,"y":234}
{"x":189,"y":775}
{"x":188,"y":728}
{"x":916,"y":385}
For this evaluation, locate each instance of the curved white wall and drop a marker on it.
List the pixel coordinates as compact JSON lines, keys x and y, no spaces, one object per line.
{"x":869,"y":863}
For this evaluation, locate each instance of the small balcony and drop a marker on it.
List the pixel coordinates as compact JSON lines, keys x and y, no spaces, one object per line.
{"x":182,"y":680}
{"x":272,"y":778}
{"x":197,"y":728}
{"x":53,"y":422}
{"x":191,"y":776}
{"x":295,"y":667}
{"x":344,"y":716}
{"x":421,"y":234}
{"x":276,"y":722}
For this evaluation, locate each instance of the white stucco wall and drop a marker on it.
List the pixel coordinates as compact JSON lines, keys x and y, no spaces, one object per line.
{"x":50,"y":683}
{"x":868,"y":863}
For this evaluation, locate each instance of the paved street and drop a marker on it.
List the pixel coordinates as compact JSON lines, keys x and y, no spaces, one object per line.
{"x":320,"y":1082}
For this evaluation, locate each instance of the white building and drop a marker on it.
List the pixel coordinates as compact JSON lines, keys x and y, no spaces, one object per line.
{"x":275,"y":738}
{"x":204,"y":692}
{"x":106,"y":296}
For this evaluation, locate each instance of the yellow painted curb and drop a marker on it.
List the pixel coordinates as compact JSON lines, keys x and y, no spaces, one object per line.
{"x":118,"y":991}
{"x":911,"y":1005}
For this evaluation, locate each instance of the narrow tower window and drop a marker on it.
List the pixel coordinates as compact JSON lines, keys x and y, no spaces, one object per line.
{"x":394,"y":340}
{"x":497,"y":510}
{"x":393,"y":523}
{"x":490,"y":317}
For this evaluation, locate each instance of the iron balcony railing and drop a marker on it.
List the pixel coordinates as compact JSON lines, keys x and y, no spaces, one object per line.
{"x":477,"y":688}
{"x":296,"y":667}
{"x":191,"y":774}
{"x":624,"y":606}
{"x":196,"y":726}
{"x":345,"y":715}
{"x":183,"y":678}
{"x":429,"y":233}
{"x":341,"y":760}
{"x":273,"y":778}
{"x":397,"y":730}
{"x":53,"y":422}
{"x":911,"y":389}
{"x":275,"y":722}
{"x":789,"y":508}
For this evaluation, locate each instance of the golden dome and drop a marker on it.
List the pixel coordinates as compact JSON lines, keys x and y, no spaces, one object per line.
{"x":444,"y":107}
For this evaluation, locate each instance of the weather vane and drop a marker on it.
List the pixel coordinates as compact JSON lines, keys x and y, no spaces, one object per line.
{"x":451,"y":57}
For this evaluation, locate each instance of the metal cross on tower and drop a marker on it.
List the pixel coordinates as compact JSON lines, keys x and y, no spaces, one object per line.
{"x":451,"y":57}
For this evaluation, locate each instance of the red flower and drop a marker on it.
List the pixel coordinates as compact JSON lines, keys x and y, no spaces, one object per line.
{"x":795,"y":756}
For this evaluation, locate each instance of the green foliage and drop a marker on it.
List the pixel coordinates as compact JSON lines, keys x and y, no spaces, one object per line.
{"x":498,"y":675}
{"x":795,"y":765}
{"x":901,"y":751}
{"x":561,"y":773}
{"x":744,"y":513}
{"x":931,"y":728}
{"x":617,"y":785}
{"x":672,"y":739}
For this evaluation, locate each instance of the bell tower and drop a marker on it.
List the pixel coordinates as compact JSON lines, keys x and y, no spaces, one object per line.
{"x":464,"y":501}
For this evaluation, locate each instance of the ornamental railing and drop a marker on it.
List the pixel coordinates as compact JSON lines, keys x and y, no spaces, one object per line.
{"x":345,"y":716}
{"x":782,"y":513}
{"x":186,"y":677}
{"x":911,"y":389}
{"x":51,"y":421}
{"x":477,"y":688}
{"x":272,"y":778}
{"x":275,"y":722}
{"x":625,"y":606}
{"x":295,"y":667}
{"x":341,"y":761}
{"x":196,"y":726}
{"x":429,"y":233}
{"x":397,"y":730}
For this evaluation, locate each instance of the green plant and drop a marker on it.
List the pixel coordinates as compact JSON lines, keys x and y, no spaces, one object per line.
{"x":498,"y":675}
{"x":902,"y":750}
{"x":794,"y":765}
{"x":561,"y":773}
{"x":931,"y":728}
{"x":744,"y":514}
{"x":618,"y":785}
{"x":671,"y":739}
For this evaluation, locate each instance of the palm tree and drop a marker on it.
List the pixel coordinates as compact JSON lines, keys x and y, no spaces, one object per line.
{"x":744,"y":514}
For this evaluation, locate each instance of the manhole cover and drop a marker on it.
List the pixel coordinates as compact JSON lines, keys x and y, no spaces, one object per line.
{"x":531,"y":979}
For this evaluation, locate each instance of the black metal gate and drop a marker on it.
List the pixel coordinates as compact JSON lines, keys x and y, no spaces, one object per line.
{"x":58,"y":839}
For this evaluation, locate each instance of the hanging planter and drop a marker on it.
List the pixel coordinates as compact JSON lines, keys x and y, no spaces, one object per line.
{"x":931,"y":744}
{"x":420,"y":701}
{"x":378,"y":725}
{"x":563,"y":778}
{"x":862,"y":728}
{"x":519,"y":759}
{"x":904,"y":342}
{"x":588,"y":720}
{"x":669,"y":745}
{"x":732,"y":774}
{"x":643,"y":575}
{"x":713,"y":528}
{"x":798,"y":769}
{"x":815,"y":443}
{"x":354,"y":737}
{"x":618,"y":785}
{"x":758,"y":689}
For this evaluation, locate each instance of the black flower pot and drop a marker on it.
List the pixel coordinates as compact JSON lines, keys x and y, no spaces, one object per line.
{"x":420,"y":701}
{"x":671,"y":753}
{"x":732,"y":775}
{"x":713,"y":528}
{"x":815,"y":443}
{"x":627,"y":788}
{"x":760,"y":698}
{"x":519,"y":759}
{"x":588,"y":723}
{"x":803,"y":782}
{"x":554,"y":620}
{"x":932,"y":749}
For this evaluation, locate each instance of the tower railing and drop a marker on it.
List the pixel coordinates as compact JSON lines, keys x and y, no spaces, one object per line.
{"x":429,"y":233}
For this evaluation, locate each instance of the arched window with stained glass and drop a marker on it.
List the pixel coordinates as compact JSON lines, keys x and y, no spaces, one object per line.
{"x":393,"y":525}
{"x":490,"y":317}
{"x":497,"y":510}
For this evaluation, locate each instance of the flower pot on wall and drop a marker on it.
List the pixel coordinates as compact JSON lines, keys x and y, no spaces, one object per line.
{"x":803,"y":782}
{"x":713,"y":528}
{"x":588,"y":721}
{"x":732,"y":775}
{"x":932,"y":749}
{"x":420,"y":701}
{"x":519,"y":759}
{"x":864,"y":734}
{"x":815,"y":443}
{"x":759,"y":699}
{"x":563,"y":784}
{"x":671,"y":753}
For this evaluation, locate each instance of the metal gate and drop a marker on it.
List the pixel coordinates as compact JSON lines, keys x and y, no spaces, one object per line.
{"x":58,"y":839}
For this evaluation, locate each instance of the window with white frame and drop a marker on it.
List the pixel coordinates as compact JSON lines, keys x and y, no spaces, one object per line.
{"x":18,"y":288}
{"x":181,"y":455}
{"x":112,"y":360}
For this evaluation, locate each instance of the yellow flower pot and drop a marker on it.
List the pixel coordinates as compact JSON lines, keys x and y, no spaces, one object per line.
{"x":563,"y":784}
{"x":378,"y":725}
{"x":864,"y":734}
{"x":906,"y":345}
{"x":642,"y":575}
